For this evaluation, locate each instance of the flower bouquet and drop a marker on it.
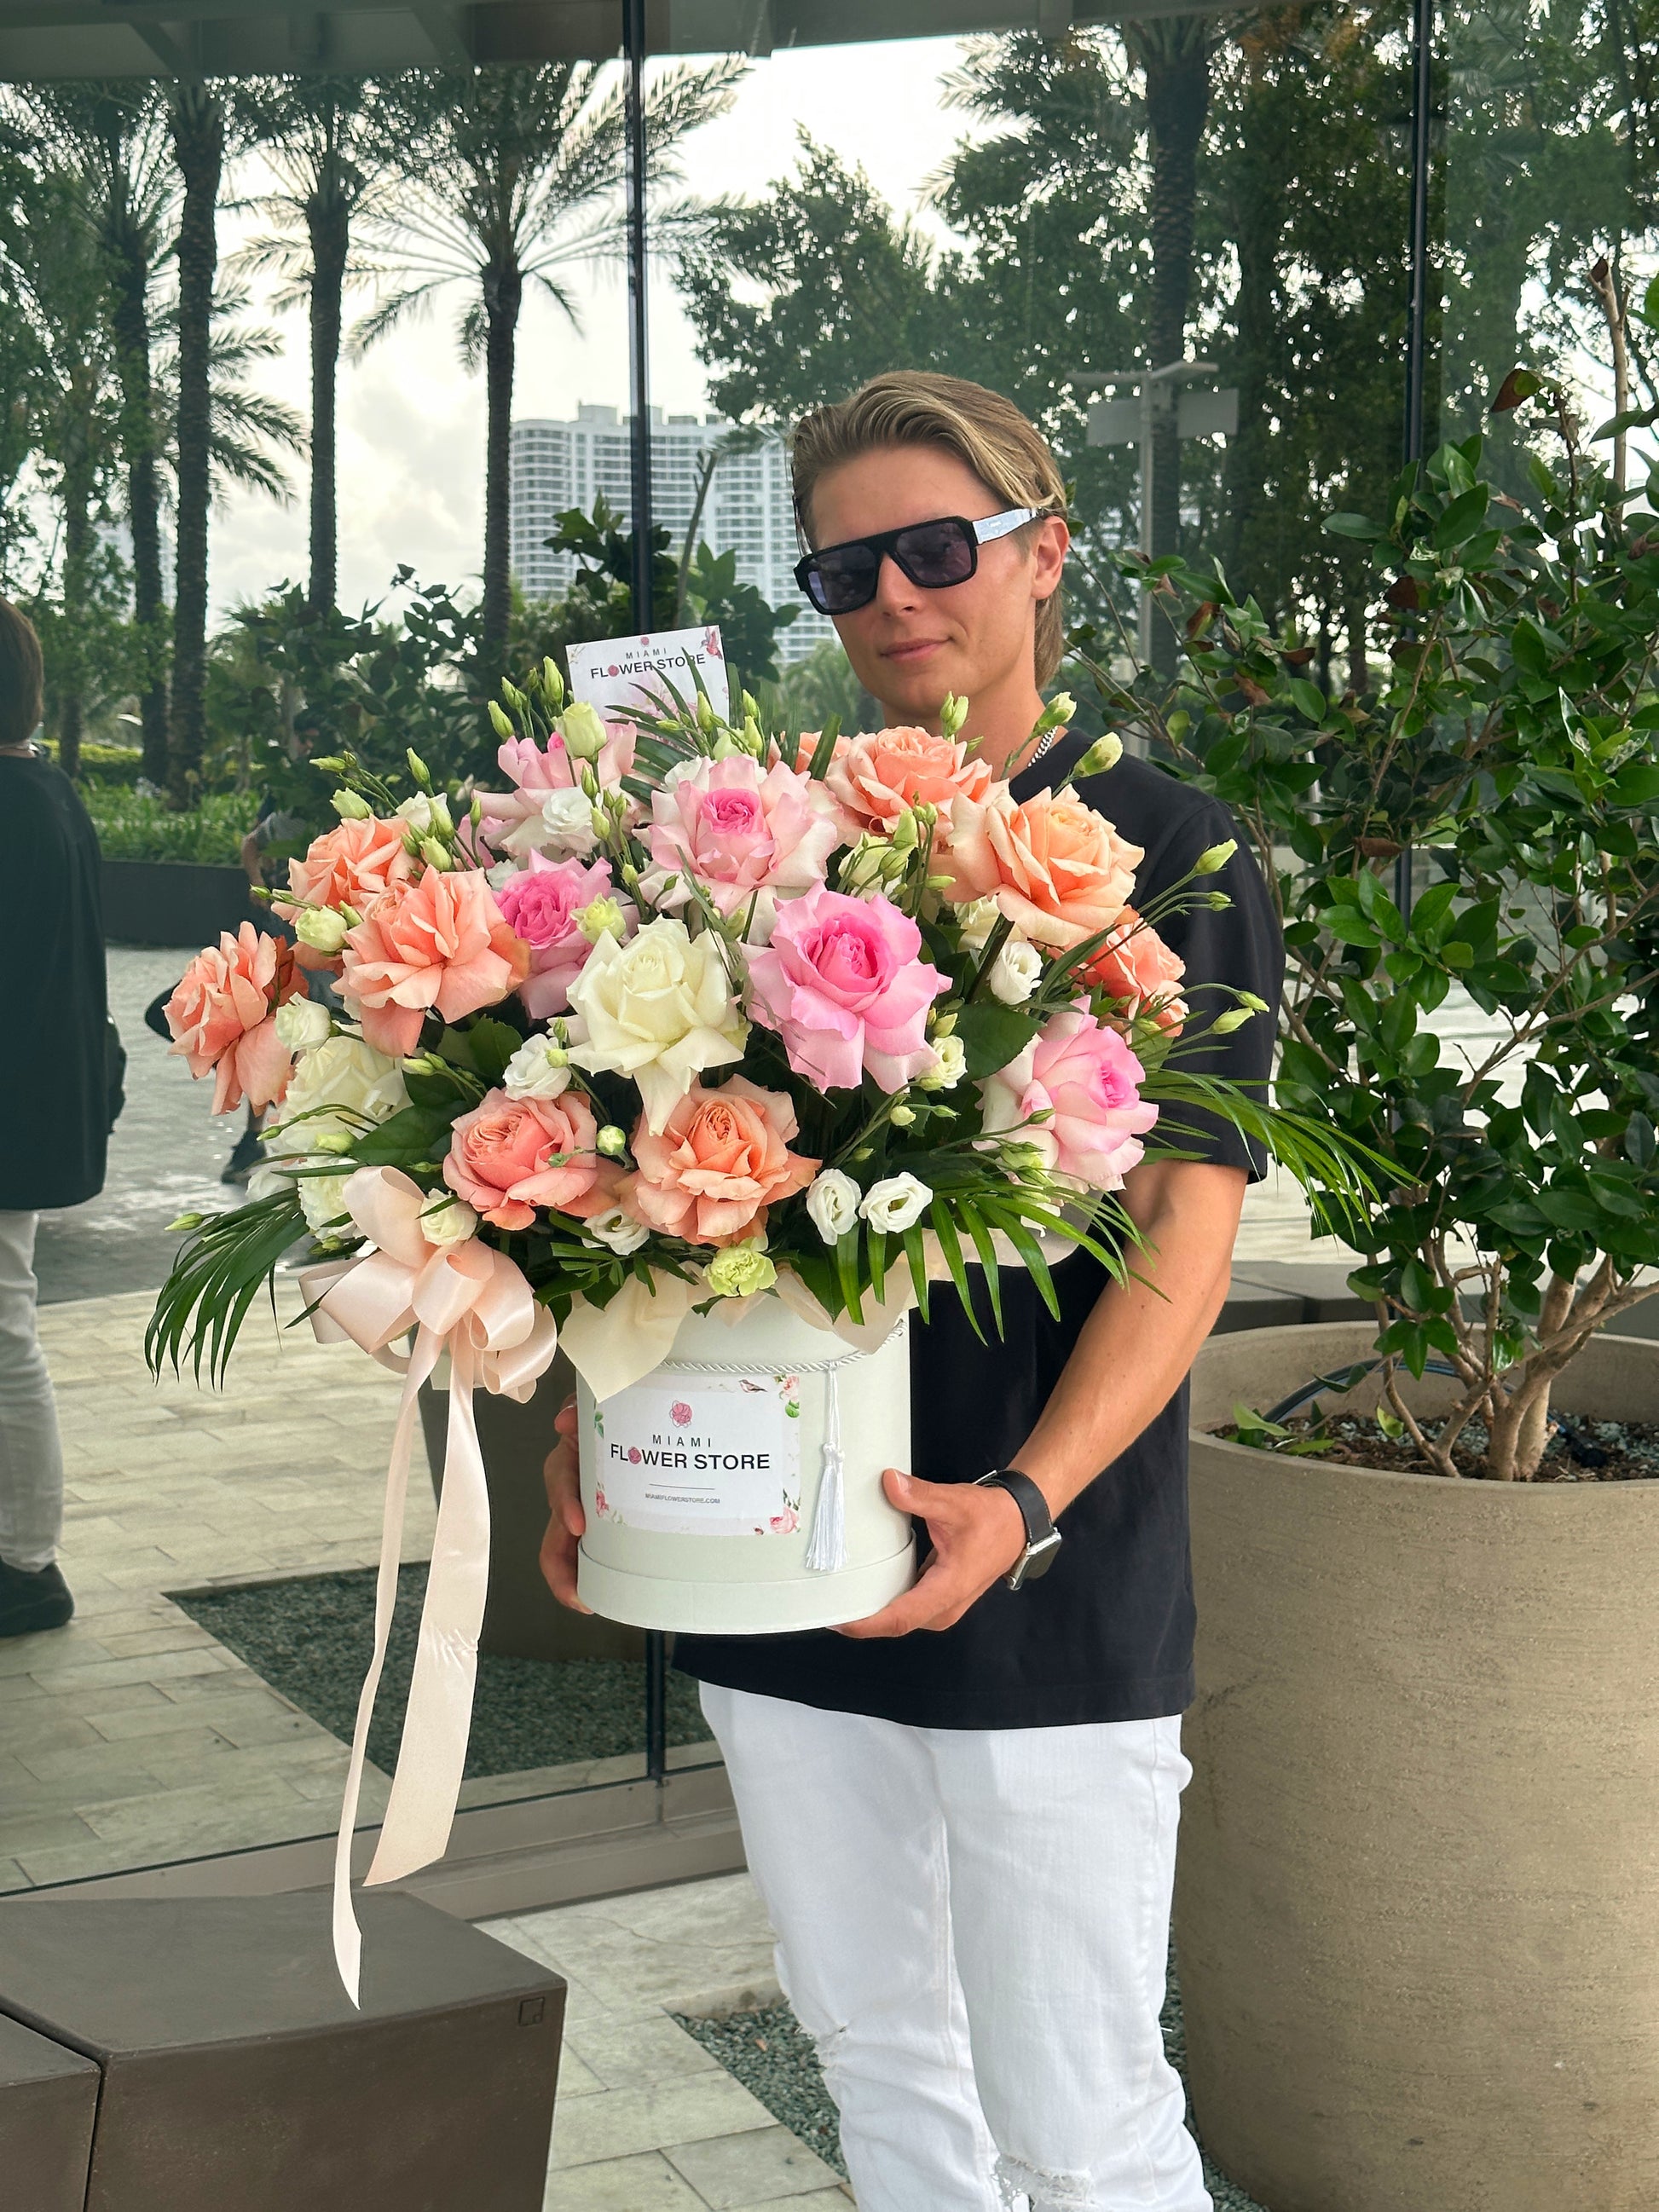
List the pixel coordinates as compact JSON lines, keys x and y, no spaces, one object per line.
{"x":689,"y":1022}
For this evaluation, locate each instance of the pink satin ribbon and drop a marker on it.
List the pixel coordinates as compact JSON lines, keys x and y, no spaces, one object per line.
{"x":472,"y":1301}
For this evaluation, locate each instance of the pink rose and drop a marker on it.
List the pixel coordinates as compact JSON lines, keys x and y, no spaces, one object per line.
{"x":844,"y":985}
{"x":534,"y":770}
{"x":540,"y":905}
{"x":1136,"y":965}
{"x":1081,"y":1072}
{"x":220,"y":1016}
{"x":440,"y":942}
{"x":746,"y":833}
{"x":721,"y":1160}
{"x":1058,"y":870}
{"x":352,"y":865}
{"x":508,"y":1156}
{"x":882,"y":772}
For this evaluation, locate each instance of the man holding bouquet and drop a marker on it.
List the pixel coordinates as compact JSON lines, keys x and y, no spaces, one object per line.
{"x":962,"y":1812}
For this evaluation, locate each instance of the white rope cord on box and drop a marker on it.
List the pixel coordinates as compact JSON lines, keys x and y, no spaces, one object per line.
{"x":826,"y":1548}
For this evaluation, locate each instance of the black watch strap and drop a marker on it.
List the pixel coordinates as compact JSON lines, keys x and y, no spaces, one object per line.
{"x":1042,"y":1539}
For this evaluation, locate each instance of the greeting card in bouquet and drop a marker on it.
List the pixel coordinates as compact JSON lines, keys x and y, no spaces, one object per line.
{"x":623,"y":676}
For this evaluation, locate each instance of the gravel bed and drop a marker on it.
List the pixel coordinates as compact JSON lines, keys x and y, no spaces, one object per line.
{"x":311,"y":1639}
{"x":774,"y":2057}
{"x":1579,"y":1449}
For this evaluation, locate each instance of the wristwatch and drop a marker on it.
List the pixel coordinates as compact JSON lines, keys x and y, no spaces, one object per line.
{"x":1041,"y":1537}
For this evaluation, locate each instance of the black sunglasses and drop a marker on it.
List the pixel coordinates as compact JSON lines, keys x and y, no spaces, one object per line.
{"x":840,"y":579}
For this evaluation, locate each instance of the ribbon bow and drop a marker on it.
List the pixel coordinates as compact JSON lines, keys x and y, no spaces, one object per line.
{"x":472,"y":1301}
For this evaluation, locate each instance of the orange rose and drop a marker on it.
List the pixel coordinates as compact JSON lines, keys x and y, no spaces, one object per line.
{"x":221,"y":1016}
{"x":509,"y":1156}
{"x":883,"y":771}
{"x":352,"y":865}
{"x":1135,"y":963}
{"x":440,"y":942}
{"x":1058,"y":870}
{"x":721,"y":1160}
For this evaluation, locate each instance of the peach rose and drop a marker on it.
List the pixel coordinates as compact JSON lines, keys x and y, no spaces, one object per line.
{"x":1058,"y":870}
{"x":352,"y":865}
{"x":221,"y":1015}
{"x":440,"y":942}
{"x":883,"y":771}
{"x":508,"y":1156}
{"x":1135,"y":964}
{"x":721,"y":1160}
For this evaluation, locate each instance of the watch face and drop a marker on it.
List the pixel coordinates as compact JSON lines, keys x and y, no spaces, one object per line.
{"x":1034,"y":1560}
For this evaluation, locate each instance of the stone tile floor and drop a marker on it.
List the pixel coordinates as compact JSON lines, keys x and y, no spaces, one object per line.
{"x":647,"y":2120}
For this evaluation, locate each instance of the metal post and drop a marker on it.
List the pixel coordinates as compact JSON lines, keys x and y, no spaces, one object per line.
{"x":639,"y":370}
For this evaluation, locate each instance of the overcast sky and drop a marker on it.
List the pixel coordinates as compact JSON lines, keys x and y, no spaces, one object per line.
{"x":412,"y":420}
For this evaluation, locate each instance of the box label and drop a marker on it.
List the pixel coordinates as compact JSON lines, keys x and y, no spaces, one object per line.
{"x":700,"y":1456}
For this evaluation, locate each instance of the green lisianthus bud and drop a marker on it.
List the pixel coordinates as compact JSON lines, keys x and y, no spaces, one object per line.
{"x":705,"y":711}
{"x":185,"y":1221}
{"x":1105,"y":752}
{"x":1059,"y":710}
{"x":500,"y":721}
{"x":350,"y":808}
{"x":942,"y":1025}
{"x":1224,"y":1025}
{"x":905,"y":832}
{"x":1214,"y":858}
{"x":436,"y":855}
{"x":333,"y":1141}
{"x":513,"y":697}
{"x":583,"y":730}
{"x":442,"y":820}
{"x":951,"y":715}
{"x":321,"y":929}
{"x":589,"y":782}
{"x":600,"y":822}
{"x":418,"y":768}
{"x":1247,"y":999}
{"x":552,"y":684}
{"x":901,"y":1116}
{"x":1217,"y":901}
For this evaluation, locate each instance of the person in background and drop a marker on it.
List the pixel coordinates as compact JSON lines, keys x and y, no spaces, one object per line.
{"x":54,"y":1107}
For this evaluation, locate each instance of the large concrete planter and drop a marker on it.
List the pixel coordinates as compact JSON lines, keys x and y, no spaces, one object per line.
{"x":1417,"y":1904}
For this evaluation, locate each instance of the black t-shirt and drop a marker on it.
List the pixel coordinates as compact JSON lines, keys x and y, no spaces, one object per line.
{"x":54,"y":1070}
{"x":1107,"y":1633}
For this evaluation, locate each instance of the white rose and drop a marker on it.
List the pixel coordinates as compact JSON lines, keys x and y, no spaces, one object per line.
{"x":1016,"y":972}
{"x":447,"y":1219}
{"x":952,"y":1065}
{"x":564,"y":827}
{"x":322,"y":1200}
{"x":894,"y":1203}
{"x":617,"y":1229}
{"x":832,"y":1201}
{"x":321,"y":928}
{"x":977,"y":920}
{"x":339,"y":1089}
{"x":660,"y":1009}
{"x":539,"y":1069}
{"x":303,"y":1024}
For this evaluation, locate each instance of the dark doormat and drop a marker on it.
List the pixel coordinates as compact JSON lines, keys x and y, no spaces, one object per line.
{"x":775,"y":2060}
{"x":312,"y":1638}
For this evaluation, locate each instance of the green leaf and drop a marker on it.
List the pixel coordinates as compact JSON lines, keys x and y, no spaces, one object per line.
{"x":987,"y":1257}
{"x":824,"y":751}
{"x":1349,"y":926}
{"x":1351,"y":525}
{"x":847,"y":1273}
{"x":1460,"y":521}
{"x":1636,"y":784}
{"x":992,"y":1035}
{"x":416,"y":1133}
{"x":916,"y":1253}
{"x":493,"y":1044}
{"x":951,"y":1245}
{"x":1518,"y":386}
{"x":1309,"y":697}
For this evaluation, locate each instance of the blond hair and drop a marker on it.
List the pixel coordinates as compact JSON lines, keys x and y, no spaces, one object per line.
{"x":912,"y":407}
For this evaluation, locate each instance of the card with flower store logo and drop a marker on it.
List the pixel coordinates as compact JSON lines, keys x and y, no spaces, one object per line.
{"x":700,"y":1456}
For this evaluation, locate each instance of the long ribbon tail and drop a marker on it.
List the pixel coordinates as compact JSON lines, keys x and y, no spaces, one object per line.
{"x":826,"y":1549}
{"x":348,"y":1936}
{"x":433,"y":1753}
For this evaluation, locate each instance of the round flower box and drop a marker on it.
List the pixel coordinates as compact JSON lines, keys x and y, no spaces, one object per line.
{"x":736,"y":1489}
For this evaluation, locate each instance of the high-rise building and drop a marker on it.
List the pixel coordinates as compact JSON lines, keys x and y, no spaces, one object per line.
{"x":555,"y":465}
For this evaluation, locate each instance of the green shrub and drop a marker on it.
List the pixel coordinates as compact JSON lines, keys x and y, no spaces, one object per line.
{"x":134,"y":829}
{"x":117,"y":764}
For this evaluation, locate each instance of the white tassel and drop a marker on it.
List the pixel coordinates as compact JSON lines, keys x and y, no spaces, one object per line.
{"x":826,"y":1549}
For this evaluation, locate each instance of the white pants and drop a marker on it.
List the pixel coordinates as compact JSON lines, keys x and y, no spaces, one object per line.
{"x":973,"y":1925}
{"x":31,"y":1457}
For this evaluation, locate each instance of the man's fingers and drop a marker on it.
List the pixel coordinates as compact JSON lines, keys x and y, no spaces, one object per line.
{"x":565,"y":1419}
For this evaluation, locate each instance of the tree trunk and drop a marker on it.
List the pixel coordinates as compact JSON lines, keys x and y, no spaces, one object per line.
{"x":1353,"y":621}
{"x":77,"y":562}
{"x":1175,"y":57}
{"x":198,"y":137}
{"x":329,"y":222}
{"x":503,"y":292}
{"x":1258,"y":225}
{"x":130,"y":318}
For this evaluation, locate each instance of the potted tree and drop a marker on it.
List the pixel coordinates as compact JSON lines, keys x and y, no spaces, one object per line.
{"x":1419,"y":1880}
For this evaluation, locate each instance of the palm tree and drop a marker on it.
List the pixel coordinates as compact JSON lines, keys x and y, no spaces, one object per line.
{"x":332,"y":172}
{"x":243,"y":422}
{"x":515,"y":175}
{"x":198,"y":120}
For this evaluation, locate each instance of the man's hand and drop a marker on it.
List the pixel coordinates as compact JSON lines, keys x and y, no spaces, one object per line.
{"x":564,"y":1498}
{"x":977,"y":1534}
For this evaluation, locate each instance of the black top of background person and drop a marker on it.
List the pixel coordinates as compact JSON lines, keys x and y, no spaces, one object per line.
{"x":54,"y":1075}
{"x":1107,"y":1635}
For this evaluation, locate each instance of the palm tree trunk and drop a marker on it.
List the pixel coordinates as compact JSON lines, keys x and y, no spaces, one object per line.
{"x":130,"y":323}
{"x":503,"y":292}
{"x":199,"y":138}
{"x":77,"y":561}
{"x":329,"y":222}
{"x":1175,"y":56}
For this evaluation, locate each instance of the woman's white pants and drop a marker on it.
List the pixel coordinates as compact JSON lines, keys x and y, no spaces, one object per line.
{"x":31,"y":1456}
{"x":973,"y":1925}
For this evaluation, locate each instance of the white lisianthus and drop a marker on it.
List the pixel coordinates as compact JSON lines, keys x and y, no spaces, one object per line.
{"x":975,"y":921}
{"x":953,"y":1064}
{"x":323,"y":1202}
{"x":895,"y":1203}
{"x":302,"y":1025}
{"x":539,"y":1069}
{"x":1015,"y":973}
{"x":339,"y":1089}
{"x":264,"y":1182}
{"x":616,"y":1230}
{"x":500,"y":872}
{"x":832,"y":1203}
{"x":583,"y":730}
{"x":659,"y":1009}
{"x":419,"y":814}
{"x":321,"y":928}
{"x":563,"y":828}
{"x":447,"y":1219}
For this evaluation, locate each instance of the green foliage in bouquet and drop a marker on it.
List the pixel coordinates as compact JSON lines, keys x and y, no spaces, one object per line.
{"x":1511,"y":746}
